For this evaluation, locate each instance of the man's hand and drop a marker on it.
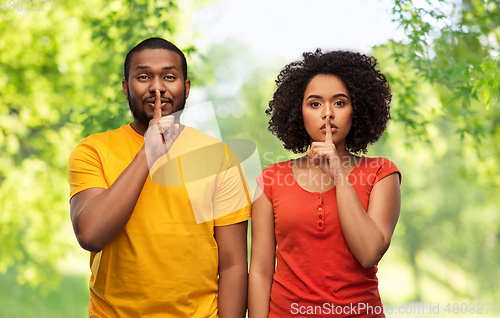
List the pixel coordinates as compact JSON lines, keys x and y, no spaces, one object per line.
{"x":161,"y":133}
{"x":324,"y":154}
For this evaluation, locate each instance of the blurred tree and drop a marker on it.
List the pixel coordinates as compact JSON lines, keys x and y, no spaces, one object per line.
{"x":240,"y":85}
{"x":445,"y":138}
{"x":60,"y":80}
{"x":455,"y":45}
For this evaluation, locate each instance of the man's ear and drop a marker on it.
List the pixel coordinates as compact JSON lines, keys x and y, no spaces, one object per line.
{"x":188,"y":87}
{"x":125,"y":87}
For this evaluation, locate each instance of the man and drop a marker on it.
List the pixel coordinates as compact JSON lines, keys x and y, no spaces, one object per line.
{"x":150,"y":254}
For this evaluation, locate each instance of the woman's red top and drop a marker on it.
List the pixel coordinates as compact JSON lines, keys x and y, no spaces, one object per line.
{"x":316,"y":273}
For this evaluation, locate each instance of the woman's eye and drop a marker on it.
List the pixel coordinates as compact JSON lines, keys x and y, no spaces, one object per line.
{"x":315,"y":104}
{"x":339,"y":103}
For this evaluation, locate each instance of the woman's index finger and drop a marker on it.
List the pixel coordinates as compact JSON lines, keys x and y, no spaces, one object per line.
{"x":328,"y":128}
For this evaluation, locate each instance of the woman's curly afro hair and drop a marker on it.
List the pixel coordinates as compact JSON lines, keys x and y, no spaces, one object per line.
{"x":368,"y":87}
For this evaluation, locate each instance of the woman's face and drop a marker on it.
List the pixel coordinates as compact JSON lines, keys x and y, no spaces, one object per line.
{"x":327,"y":97}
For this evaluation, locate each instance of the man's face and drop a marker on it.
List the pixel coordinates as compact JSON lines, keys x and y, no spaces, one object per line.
{"x":152,"y":70}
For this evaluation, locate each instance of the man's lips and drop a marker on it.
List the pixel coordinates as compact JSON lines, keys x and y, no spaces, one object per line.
{"x":163,"y":104}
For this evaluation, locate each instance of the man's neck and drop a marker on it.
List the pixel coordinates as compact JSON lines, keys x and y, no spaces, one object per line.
{"x":138,"y":127}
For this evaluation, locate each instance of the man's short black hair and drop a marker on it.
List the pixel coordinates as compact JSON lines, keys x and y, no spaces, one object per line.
{"x":155,"y":44}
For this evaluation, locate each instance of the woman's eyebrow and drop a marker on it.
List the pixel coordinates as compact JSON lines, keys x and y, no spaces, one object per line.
{"x":340,"y":95}
{"x":334,"y":96}
{"x":313,"y":96}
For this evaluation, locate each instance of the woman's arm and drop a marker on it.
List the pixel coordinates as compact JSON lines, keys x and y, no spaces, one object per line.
{"x":368,"y":234}
{"x":262,"y":260}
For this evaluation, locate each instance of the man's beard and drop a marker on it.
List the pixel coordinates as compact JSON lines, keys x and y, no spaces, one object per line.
{"x":143,"y":118}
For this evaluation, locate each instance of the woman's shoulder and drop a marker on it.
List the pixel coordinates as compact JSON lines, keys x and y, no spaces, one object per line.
{"x":278,"y":166}
{"x":273,"y":173}
{"x":376,"y":163}
{"x":377,"y":168}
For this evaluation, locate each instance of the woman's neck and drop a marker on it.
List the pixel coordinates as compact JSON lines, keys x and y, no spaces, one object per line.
{"x":347,"y":159}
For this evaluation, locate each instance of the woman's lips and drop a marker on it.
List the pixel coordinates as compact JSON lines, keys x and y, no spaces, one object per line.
{"x":333,"y":127}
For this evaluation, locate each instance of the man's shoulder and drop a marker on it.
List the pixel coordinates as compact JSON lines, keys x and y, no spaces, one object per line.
{"x":198,"y":143}
{"x":200,"y":137}
{"x":110,"y":136}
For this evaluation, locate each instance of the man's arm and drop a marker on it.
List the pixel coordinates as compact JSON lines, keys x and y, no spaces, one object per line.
{"x":98,"y":215}
{"x":233,"y":269}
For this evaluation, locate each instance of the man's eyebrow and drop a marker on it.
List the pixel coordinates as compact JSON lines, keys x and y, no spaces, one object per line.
{"x":145,"y":67}
{"x":170,"y":68}
{"x":142,"y":67}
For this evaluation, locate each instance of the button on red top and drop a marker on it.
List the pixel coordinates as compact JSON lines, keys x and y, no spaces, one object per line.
{"x":320,"y":209}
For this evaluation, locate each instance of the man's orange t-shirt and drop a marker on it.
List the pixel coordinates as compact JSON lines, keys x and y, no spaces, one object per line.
{"x":164,"y":263}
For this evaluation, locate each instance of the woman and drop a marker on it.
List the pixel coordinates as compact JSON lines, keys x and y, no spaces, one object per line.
{"x":326,"y":218}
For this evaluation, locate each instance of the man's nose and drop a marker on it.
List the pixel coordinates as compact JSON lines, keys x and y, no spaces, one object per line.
{"x":157,"y":84}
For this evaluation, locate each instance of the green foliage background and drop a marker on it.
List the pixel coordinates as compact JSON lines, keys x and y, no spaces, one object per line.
{"x":60,"y":79}
{"x":446,"y":136}
{"x":60,"y":74}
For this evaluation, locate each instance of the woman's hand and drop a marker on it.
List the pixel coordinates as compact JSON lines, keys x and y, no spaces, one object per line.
{"x":324,"y":154}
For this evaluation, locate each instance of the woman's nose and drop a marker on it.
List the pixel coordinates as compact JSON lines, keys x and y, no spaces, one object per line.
{"x":327,"y":111}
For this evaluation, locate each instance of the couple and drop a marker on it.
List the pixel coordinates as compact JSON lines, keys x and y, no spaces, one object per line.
{"x":152,"y":257}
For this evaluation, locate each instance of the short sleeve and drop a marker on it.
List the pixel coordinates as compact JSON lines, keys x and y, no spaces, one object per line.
{"x":232,"y":201}
{"x":266,"y":181}
{"x":85,"y":169}
{"x":386,"y":168}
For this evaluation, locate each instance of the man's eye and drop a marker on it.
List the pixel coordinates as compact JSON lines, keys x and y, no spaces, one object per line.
{"x":169,"y":77}
{"x":142,"y":77}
